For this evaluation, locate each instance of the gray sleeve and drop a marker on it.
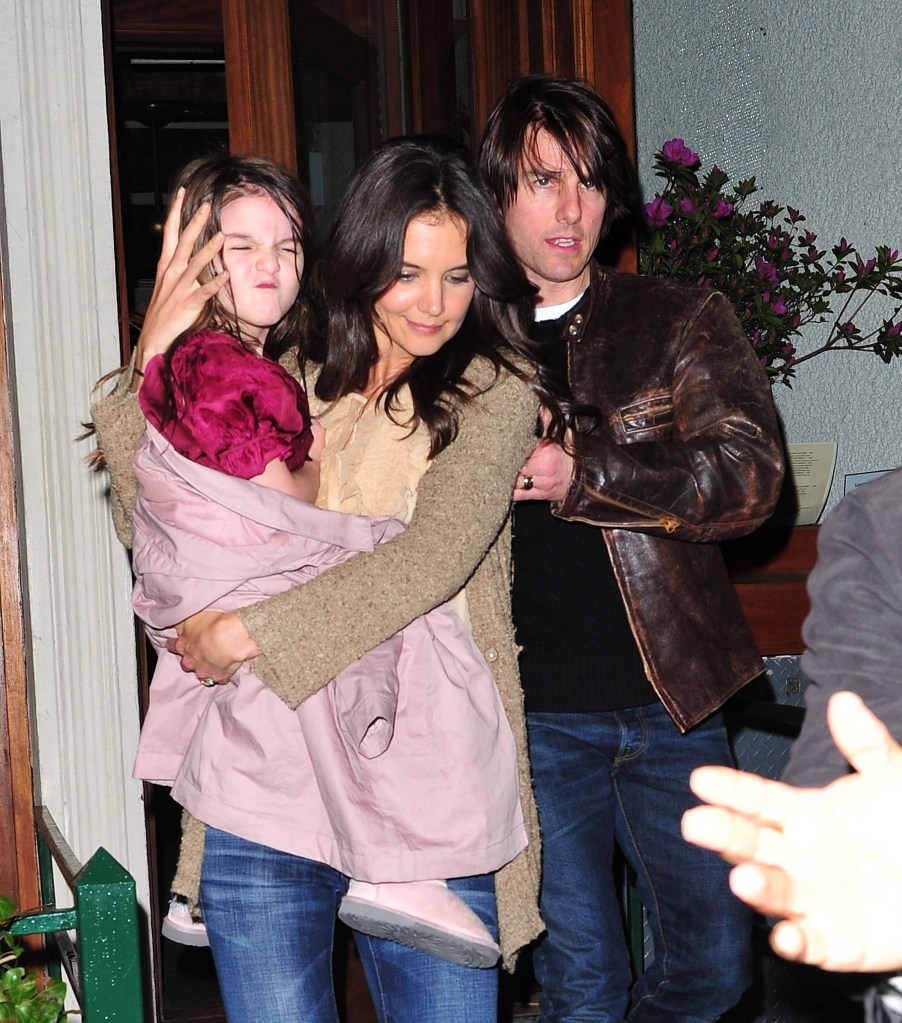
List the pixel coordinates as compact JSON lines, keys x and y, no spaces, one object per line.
{"x":853,"y":633}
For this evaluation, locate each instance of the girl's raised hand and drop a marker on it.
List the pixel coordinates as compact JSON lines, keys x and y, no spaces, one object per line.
{"x":178,"y":295}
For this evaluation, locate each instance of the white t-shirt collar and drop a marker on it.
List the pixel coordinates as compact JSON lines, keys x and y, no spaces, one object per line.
{"x":555,"y":312}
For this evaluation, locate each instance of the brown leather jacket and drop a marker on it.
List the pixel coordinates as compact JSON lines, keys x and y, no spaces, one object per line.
{"x":687,"y":452}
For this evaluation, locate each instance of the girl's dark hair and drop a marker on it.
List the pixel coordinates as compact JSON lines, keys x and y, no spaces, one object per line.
{"x":403,"y":179}
{"x":578,"y":120}
{"x":219,"y":179}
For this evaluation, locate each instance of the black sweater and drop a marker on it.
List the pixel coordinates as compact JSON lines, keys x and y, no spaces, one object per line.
{"x":578,"y":654}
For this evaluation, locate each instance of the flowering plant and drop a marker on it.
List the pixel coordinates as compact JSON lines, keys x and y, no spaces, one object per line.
{"x":761,"y":256}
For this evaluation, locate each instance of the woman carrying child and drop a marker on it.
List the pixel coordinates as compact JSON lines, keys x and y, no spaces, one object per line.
{"x":424,"y":366}
{"x":201,"y":537}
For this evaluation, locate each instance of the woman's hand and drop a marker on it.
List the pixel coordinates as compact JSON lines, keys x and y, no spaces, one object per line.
{"x":213,"y":645}
{"x":178,"y":295}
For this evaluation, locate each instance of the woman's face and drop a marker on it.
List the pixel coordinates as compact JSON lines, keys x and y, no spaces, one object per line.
{"x":426,"y":305}
{"x":264,"y":263}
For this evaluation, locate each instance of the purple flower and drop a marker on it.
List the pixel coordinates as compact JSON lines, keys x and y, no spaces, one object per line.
{"x":723,"y":209}
{"x":840,"y":276}
{"x":688,"y":206}
{"x":842,"y":248}
{"x":847,"y":328}
{"x":766,"y":271}
{"x":712,"y":255}
{"x":779,"y":306}
{"x":895,"y":330}
{"x":810,"y":238}
{"x":892,"y":255}
{"x":657,"y":212}
{"x":865,"y":268}
{"x":677,"y":153}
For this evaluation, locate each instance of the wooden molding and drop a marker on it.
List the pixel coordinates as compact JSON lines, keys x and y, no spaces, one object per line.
{"x":259,"y":80}
{"x":18,"y":852}
{"x":167,"y":23}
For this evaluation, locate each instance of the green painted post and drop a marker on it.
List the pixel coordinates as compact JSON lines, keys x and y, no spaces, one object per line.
{"x":48,"y":897}
{"x":108,"y":946}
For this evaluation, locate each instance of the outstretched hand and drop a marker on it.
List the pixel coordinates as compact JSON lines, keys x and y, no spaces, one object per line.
{"x":827,"y":859}
{"x":179,"y":296}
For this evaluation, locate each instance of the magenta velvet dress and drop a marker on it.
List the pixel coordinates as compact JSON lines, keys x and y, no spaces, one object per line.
{"x":236,"y":411}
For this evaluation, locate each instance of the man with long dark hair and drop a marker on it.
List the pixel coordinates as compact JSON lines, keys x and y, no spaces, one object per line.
{"x":632,"y":635}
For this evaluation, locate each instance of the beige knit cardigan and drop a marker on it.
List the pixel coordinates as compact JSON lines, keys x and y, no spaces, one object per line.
{"x":459,"y":536}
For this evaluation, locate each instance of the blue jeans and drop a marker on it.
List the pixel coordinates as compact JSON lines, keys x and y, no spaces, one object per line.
{"x":271,"y":917}
{"x":622,"y":777}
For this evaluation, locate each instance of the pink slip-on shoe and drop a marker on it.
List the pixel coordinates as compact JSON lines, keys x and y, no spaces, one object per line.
{"x":425,"y":915}
{"x":179,"y":925}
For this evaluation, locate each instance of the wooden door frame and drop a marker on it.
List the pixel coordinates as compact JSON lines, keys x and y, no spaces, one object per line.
{"x":18,"y":851}
{"x":259,"y":81}
{"x":590,"y":39}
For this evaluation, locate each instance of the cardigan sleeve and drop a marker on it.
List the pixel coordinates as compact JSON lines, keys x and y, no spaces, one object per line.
{"x":119,"y":423}
{"x":463,"y":501}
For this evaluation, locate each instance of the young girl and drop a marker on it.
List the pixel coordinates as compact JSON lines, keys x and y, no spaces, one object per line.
{"x":221,"y":412}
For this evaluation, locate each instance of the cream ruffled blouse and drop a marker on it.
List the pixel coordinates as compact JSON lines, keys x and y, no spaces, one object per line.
{"x":372,"y":465}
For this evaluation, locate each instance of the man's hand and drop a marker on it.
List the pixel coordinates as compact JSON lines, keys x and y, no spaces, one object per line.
{"x":545,"y":475}
{"x":213,"y":645}
{"x":827,"y":860}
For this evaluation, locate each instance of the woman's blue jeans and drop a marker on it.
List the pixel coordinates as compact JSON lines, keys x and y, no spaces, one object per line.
{"x":271,"y":921}
{"x":623,"y":777}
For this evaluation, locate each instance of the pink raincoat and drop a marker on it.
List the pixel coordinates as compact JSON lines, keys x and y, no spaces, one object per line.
{"x":402,"y":768}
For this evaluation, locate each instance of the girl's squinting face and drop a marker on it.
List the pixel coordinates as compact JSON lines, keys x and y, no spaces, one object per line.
{"x":428,"y":302}
{"x":264,"y":262}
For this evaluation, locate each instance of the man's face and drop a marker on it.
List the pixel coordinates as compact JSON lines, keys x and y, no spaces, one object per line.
{"x":554,"y":222}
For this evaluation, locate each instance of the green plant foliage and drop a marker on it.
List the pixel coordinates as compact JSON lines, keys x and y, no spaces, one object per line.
{"x":21,"y":1001}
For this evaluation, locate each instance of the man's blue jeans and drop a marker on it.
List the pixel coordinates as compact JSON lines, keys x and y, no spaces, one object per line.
{"x":271,"y":917}
{"x":623,"y":777}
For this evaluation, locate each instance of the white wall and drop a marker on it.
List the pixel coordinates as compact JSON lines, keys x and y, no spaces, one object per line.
{"x":63,"y":332}
{"x":807,"y":96}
